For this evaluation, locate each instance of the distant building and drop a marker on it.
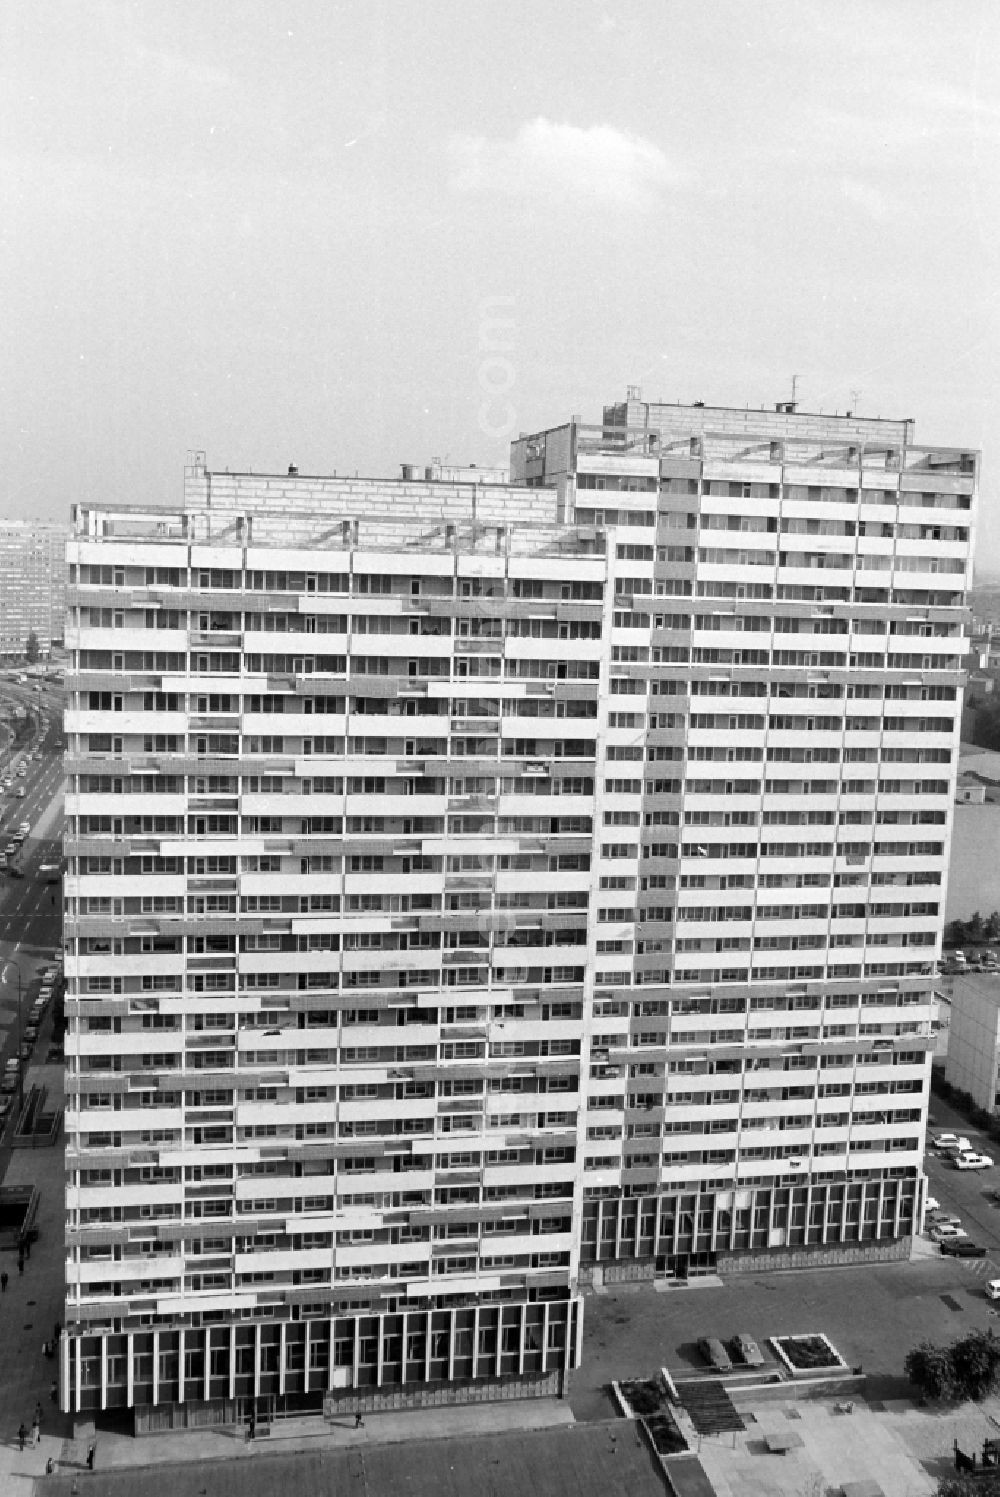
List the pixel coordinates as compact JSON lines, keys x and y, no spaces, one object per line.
{"x":978,"y":777}
{"x":973,"y":1061}
{"x":32,"y":585}
{"x":437,"y":472}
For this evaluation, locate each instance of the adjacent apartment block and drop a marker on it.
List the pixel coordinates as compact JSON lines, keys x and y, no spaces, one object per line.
{"x":476,"y":889}
{"x":32,"y":586}
{"x":972,"y":1063}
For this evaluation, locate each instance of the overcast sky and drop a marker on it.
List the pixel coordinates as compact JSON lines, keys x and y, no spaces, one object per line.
{"x":354,"y":235}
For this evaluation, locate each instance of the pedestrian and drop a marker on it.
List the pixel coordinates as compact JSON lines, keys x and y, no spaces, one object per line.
{"x":22,"y":1435}
{"x":50,"y":1466}
{"x":20,"y":1263}
{"x":4,"y":1281}
{"x":252,"y":1427}
{"x":359,"y":1423}
{"x":54,"y":1391}
{"x":91,"y":1451}
{"x":36,"y":1433}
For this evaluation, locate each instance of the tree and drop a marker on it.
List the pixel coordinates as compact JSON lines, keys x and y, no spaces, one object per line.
{"x":986,"y":733}
{"x":929,"y":1368}
{"x":955,"y":933}
{"x":31,"y":648}
{"x":975,"y":1363}
{"x":968,"y":1368}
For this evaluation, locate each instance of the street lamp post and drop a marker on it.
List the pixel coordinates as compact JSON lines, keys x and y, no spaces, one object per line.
{"x":20,"y":1036}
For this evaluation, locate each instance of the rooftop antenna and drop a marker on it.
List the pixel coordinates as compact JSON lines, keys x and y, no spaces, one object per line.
{"x":855,"y":397}
{"x":795,"y":385}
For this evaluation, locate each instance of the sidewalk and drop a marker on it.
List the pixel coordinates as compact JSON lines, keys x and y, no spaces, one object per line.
{"x":30,"y":1308}
{"x":115,"y":1451}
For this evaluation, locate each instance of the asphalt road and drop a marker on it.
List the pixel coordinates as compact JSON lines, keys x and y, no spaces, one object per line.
{"x":30,"y":908}
{"x":966,"y":1192}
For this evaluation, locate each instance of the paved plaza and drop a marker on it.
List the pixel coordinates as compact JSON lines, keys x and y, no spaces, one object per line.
{"x":905,"y":1449}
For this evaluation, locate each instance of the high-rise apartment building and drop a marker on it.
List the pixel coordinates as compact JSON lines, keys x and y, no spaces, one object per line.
{"x":32,"y":586}
{"x":476,"y":888}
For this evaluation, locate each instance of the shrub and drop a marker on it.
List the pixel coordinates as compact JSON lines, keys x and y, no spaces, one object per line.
{"x":645,"y":1396}
{"x":806,"y":1352}
{"x":975,"y":1361}
{"x":981,"y":1485}
{"x":968,"y":1368}
{"x":929,"y":1368}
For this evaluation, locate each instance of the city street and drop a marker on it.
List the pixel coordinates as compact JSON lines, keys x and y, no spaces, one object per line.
{"x":966,"y":1192}
{"x":30,"y":915}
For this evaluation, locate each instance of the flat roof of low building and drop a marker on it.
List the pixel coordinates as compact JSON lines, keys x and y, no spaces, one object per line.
{"x":578,"y":1460}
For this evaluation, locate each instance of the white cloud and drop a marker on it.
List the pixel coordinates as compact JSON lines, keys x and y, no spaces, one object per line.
{"x":599,"y":164}
{"x":869,"y":199}
{"x":174,"y":68}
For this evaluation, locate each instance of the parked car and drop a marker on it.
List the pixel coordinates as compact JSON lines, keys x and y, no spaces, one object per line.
{"x":993,"y":1289}
{"x":12,"y":871}
{"x":943,"y":1219}
{"x":746,"y":1350}
{"x":970,"y":1160}
{"x":931,"y":1205}
{"x":947,"y":1232}
{"x":715,"y":1353}
{"x":950,"y":1141}
{"x":963,"y":1249}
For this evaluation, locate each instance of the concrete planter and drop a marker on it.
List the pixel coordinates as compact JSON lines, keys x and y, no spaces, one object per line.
{"x":658,"y":1419}
{"x":784,"y":1349}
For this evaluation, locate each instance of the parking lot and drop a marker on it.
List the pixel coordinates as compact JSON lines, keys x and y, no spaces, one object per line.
{"x":970,"y":959}
{"x":966,"y":1193}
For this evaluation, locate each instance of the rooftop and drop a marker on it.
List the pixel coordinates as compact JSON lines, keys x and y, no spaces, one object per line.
{"x":595,"y":1460}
